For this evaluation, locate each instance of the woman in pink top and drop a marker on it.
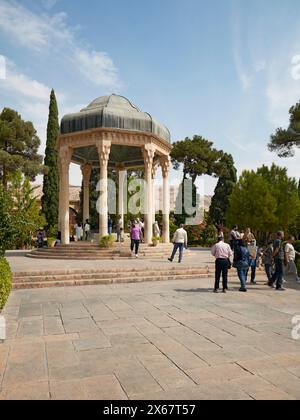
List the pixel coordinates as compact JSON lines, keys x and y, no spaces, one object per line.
{"x":136,"y":237}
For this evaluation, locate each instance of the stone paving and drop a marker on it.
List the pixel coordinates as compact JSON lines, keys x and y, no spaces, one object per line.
{"x":165,"y":340}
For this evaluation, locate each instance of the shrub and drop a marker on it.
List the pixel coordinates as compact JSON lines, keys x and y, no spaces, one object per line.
{"x":5,"y":281}
{"x":107,"y":241}
{"x":297,"y":248}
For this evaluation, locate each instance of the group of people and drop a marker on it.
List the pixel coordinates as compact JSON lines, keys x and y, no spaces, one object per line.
{"x":83,"y":232}
{"x":278,"y":259}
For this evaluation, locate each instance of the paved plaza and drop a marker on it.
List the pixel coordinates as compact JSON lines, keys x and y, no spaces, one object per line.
{"x":161,"y":340}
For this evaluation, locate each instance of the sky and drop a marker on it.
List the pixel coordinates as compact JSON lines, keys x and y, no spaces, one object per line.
{"x":224,"y":69}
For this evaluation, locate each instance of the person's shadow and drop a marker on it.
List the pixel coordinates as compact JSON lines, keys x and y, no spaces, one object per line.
{"x":194,"y":290}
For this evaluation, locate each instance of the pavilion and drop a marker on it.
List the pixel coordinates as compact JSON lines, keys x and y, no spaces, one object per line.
{"x":112,"y":134}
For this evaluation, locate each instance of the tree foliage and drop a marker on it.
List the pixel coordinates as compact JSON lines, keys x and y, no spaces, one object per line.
{"x":19,"y":146}
{"x":20,"y":214}
{"x":284,"y":142}
{"x":198,"y":157}
{"x":7,"y":229}
{"x":224,"y":188}
{"x":266,"y":200}
{"x":51,"y":177}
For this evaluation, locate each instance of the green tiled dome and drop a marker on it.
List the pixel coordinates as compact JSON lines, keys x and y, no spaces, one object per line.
{"x":116,"y":112}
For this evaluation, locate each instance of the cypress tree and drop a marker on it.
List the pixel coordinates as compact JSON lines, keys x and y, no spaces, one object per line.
{"x":224,"y":188}
{"x":51,"y":177}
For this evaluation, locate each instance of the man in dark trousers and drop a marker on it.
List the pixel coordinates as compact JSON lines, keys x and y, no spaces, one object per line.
{"x":278,"y":256}
{"x":222,"y":252}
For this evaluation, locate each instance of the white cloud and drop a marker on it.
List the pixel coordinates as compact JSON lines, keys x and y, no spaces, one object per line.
{"x":243,"y":76}
{"x":295,"y":71}
{"x":260,"y":66}
{"x":2,"y":67}
{"x":48,"y":4}
{"x":282,"y":89}
{"x":24,"y":85}
{"x":23,"y":26}
{"x":97,"y":67}
{"x":51,"y":33}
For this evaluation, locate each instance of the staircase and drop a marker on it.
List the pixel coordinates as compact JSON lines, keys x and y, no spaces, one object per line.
{"x":90,"y":251}
{"x":65,"y":278}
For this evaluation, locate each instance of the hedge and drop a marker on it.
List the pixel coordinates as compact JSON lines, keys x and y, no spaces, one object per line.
{"x":5,"y":281}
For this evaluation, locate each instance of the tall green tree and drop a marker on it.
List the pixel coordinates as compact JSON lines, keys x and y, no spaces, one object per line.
{"x":196,"y":157}
{"x":19,"y":146}
{"x":284,"y":142}
{"x":224,"y":188}
{"x":51,"y":177}
{"x":265,"y":200}
{"x":285,"y":190}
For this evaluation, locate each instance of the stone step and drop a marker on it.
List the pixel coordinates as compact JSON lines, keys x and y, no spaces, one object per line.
{"x":113,"y":270}
{"x":108,"y":280}
{"x":103,"y":275}
{"x":98,"y":258}
{"x":99,"y":254}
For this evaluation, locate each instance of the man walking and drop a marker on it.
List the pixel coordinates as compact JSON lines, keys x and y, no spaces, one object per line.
{"x":290,"y":257}
{"x":222,"y":252}
{"x":180,"y":241}
{"x":278,"y":256}
{"x":268,"y":260}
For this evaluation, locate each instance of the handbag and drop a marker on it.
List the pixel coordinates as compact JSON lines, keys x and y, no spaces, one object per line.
{"x":229,"y":264}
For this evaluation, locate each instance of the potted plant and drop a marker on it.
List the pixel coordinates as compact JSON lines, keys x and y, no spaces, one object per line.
{"x":155,"y":240}
{"x":107,"y":241}
{"x":51,"y":237}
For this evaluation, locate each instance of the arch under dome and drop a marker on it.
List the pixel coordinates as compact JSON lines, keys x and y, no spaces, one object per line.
{"x":116,"y":112}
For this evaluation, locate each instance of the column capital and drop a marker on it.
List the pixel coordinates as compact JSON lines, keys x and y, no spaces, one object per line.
{"x":149,"y":153}
{"x":86,"y":170}
{"x":103,"y":147}
{"x":154,"y":168}
{"x":165,"y":163}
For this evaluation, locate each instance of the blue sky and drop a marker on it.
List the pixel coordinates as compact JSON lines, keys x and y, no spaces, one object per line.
{"x":225,"y":69}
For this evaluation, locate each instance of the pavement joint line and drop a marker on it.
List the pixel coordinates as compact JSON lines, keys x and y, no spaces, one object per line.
{"x":172,"y":361}
{"x":121,"y":385}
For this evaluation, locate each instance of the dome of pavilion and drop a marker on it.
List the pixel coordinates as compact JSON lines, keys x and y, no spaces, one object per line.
{"x":115,"y":112}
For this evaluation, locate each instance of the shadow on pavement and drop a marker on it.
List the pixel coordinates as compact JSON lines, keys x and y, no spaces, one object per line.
{"x":16,"y":253}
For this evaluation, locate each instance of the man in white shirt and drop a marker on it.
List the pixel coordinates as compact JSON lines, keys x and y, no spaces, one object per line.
{"x":180,"y":241}
{"x":290,"y":257}
{"x":222,"y":253}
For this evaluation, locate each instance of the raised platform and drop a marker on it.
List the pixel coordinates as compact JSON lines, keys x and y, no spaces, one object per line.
{"x":91,"y":251}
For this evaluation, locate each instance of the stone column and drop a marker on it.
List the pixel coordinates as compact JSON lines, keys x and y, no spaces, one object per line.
{"x":149,"y":153}
{"x":64,"y":160}
{"x":154,"y":172}
{"x":121,"y":176}
{"x":104,"y":152}
{"x":86,"y":170}
{"x":165,"y":163}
